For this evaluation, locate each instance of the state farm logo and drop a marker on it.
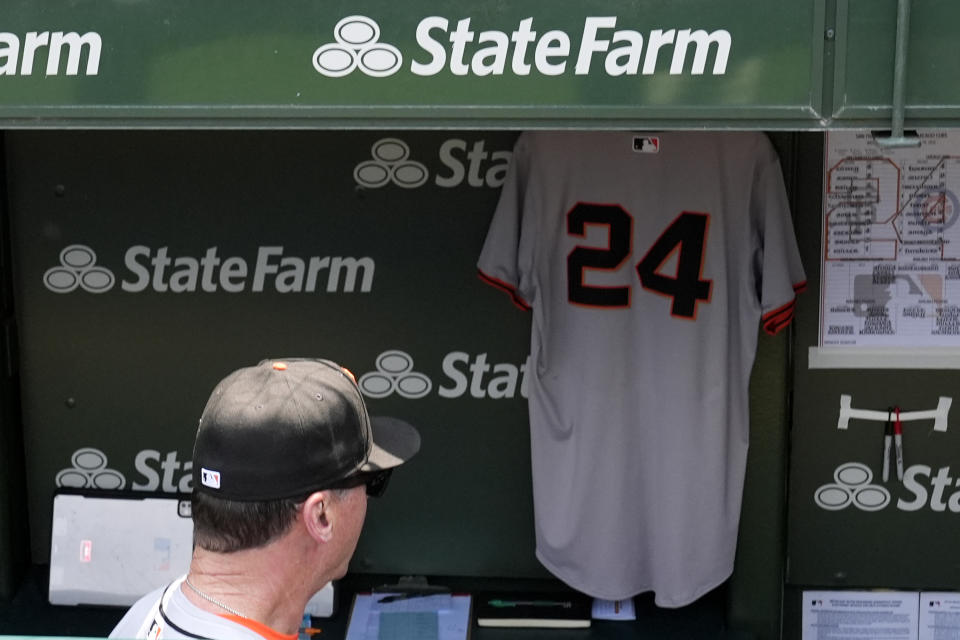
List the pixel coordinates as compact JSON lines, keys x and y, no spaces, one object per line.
{"x":163,"y":271}
{"x":461,"y":47}
{"x":89,"y":471}
{"x":923,"y":488}
{"x":463,"y":163}
{"x":852,"y":487}
{"x":464,"y":374}
{"x":61,"y":47}
{"x":395,"y":374}
{"x":78,"y":269}
{"x":390,"y":164}
{"x":357,"y":46}
{"x":153,"y":471}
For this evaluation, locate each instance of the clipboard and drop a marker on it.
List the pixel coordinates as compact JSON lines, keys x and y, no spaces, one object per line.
{"x":410,"y":616}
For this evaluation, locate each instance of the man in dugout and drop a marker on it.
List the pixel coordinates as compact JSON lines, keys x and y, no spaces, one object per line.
{"x":284,"y":458}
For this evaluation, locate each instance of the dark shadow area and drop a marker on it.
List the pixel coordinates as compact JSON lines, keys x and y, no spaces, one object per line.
{"x":29,"y":613}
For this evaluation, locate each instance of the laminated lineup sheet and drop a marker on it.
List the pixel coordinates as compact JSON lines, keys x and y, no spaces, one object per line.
{"x":891,"y":242}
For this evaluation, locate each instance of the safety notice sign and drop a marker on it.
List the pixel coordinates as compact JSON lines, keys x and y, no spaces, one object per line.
{"x":842,"y":615}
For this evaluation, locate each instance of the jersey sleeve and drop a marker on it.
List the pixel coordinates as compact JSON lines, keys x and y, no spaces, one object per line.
{"x":780,"y":273}
{"x":504,"y":259}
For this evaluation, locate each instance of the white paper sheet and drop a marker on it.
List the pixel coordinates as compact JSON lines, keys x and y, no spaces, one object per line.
{"x":864,"y":615}
{"x":613,"y":609}
{"x":939,"y":615}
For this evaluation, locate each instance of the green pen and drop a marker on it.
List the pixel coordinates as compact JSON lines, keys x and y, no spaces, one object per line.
{"x":529,"y":603}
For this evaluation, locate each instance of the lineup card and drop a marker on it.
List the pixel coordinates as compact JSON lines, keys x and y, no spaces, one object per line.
{"x":890,"y":274}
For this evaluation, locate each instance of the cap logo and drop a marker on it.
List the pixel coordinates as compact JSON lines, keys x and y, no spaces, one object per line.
{"x":210,"y":478}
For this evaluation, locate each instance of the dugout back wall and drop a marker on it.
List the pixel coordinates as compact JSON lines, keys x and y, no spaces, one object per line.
{"x":147,"y":265}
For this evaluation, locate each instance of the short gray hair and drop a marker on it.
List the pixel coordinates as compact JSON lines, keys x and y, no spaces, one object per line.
{"x":226,"y":526}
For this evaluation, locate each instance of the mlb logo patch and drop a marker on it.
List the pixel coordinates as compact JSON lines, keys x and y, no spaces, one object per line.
{"x":210,"y":478}
{"x":646,"y":144}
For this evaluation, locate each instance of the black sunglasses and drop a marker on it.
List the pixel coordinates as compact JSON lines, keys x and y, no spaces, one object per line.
{"x":376,"y":482}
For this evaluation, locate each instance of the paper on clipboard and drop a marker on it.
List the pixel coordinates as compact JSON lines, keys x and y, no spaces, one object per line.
{"x":409,"y":618}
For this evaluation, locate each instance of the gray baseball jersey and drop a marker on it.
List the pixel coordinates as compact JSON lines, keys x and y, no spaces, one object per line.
{"x":647,"y":261}
{"x":167,"y":613}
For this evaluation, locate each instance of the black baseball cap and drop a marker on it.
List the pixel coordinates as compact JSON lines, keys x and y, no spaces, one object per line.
{"x":287,"y":427}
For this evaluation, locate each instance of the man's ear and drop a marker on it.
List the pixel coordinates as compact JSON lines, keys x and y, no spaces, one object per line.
{"x":317,"y":515}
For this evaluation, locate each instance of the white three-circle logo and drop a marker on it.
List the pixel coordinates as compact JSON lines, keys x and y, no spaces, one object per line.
{"x":394,"y":374}
{"x":390,"y":163}
{"x":78,"y":269}
{"x":852,"y":486}
{"x":89,"y":471}
{"x":357,"y":46}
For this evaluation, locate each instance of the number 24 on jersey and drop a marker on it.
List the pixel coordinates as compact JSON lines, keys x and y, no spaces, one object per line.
{"x":686,"y":236}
